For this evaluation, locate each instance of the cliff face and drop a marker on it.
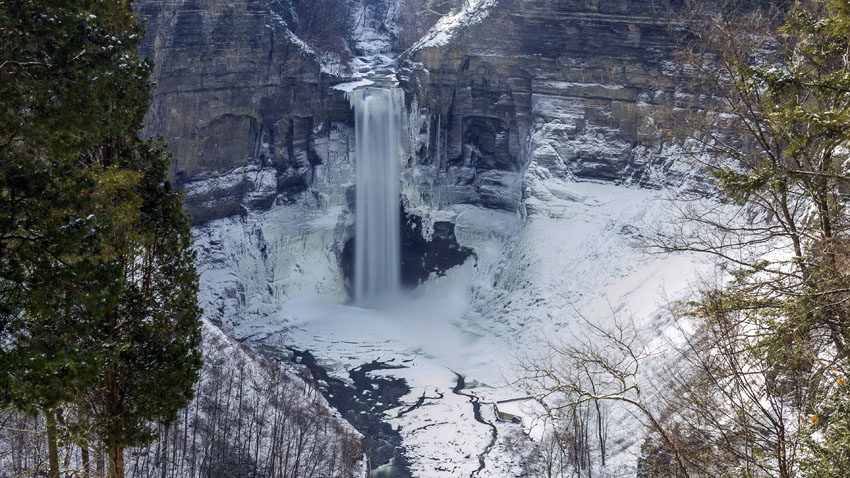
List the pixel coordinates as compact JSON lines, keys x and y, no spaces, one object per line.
{"x":504,"y":101}
{"x":244,"y":105}
{"x":506,"y":106}
{"x":560,"y":88}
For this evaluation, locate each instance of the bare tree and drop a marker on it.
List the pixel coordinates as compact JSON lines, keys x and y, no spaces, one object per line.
{"x":250,"y":418}
{"x":712,"y":406}
{"x":606,"y":365}
{"x":416,"y":17}
{"x":768,"y":119}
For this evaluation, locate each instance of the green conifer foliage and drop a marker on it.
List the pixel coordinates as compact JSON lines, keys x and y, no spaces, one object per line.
{"x":150,"y":339}
{"x":98,"y":293}
{"x":68,"y":79}
{"x":782,"y":74}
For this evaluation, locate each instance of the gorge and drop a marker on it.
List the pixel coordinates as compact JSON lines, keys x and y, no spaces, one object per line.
{"x":530,"y":159}
{"x":424,"y":238}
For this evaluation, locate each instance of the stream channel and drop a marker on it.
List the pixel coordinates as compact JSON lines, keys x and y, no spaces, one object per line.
{"x":363,"y":403}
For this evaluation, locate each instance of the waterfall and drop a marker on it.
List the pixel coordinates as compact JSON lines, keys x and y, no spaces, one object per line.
{"x":377,"y":244}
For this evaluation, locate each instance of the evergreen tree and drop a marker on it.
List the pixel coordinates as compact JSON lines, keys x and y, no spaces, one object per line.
{"x":97,"y":289}
{"x":828,"y":430}
{"x":774,"y":129}
{"x":150,"y":339}
{"x":63,"y":88}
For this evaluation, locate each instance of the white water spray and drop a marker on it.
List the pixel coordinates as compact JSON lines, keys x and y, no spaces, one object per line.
{"x":377,"y":250}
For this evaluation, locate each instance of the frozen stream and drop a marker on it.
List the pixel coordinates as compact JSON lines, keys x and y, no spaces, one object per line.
{"x":364,"y":360}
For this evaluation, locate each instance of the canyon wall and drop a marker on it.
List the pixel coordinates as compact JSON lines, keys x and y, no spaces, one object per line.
{"x":506,"y":100}
{"x":244,"y":105}
{"x":569,"y":88}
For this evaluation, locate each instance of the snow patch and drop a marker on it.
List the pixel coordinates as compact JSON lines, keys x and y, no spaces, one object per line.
{"x":473,"y":12}
{"x":353,"y":85}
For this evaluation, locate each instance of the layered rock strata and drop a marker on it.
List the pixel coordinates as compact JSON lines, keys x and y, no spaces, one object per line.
{"x":561,"y":88}
{"x":244,"y":105}
{"x":531,"y":91}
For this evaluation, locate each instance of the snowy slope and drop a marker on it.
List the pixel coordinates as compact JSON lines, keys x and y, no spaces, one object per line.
{"x":470,"y":13}
{"x":247,"y":408}
{"x":573,"y":253}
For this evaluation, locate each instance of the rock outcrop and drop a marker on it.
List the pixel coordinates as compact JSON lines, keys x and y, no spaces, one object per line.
{"x":568,"y":87}
{"x":424,"y":254}
{"x":244,"y":104}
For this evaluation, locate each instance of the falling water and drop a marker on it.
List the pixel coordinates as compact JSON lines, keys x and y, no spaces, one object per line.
{"x":377,"y":250}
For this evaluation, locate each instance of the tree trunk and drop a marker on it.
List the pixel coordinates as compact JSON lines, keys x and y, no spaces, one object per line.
{"x":84,"y":456}
{"x":52,"y":448}
{"x":116,"y":460}
{"x":101,"y":465}
{"x":164,"y":457}
{"x":600,"y":433}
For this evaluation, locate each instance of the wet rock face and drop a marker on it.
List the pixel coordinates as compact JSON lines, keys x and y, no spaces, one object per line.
{"x":421,"y":256}
{"x":244,"y":109}
{"x":569,"y":84}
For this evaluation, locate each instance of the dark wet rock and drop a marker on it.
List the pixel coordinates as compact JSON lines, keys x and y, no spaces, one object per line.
{"x":420,"y":257}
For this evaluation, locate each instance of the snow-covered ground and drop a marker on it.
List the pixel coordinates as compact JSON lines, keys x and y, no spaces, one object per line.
{"x":374,"y":26}
{"x":573,"y":254}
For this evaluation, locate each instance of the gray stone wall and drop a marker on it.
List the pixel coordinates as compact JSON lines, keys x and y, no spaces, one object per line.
{"x":572,"y":84}
{"x":239,"y":102}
